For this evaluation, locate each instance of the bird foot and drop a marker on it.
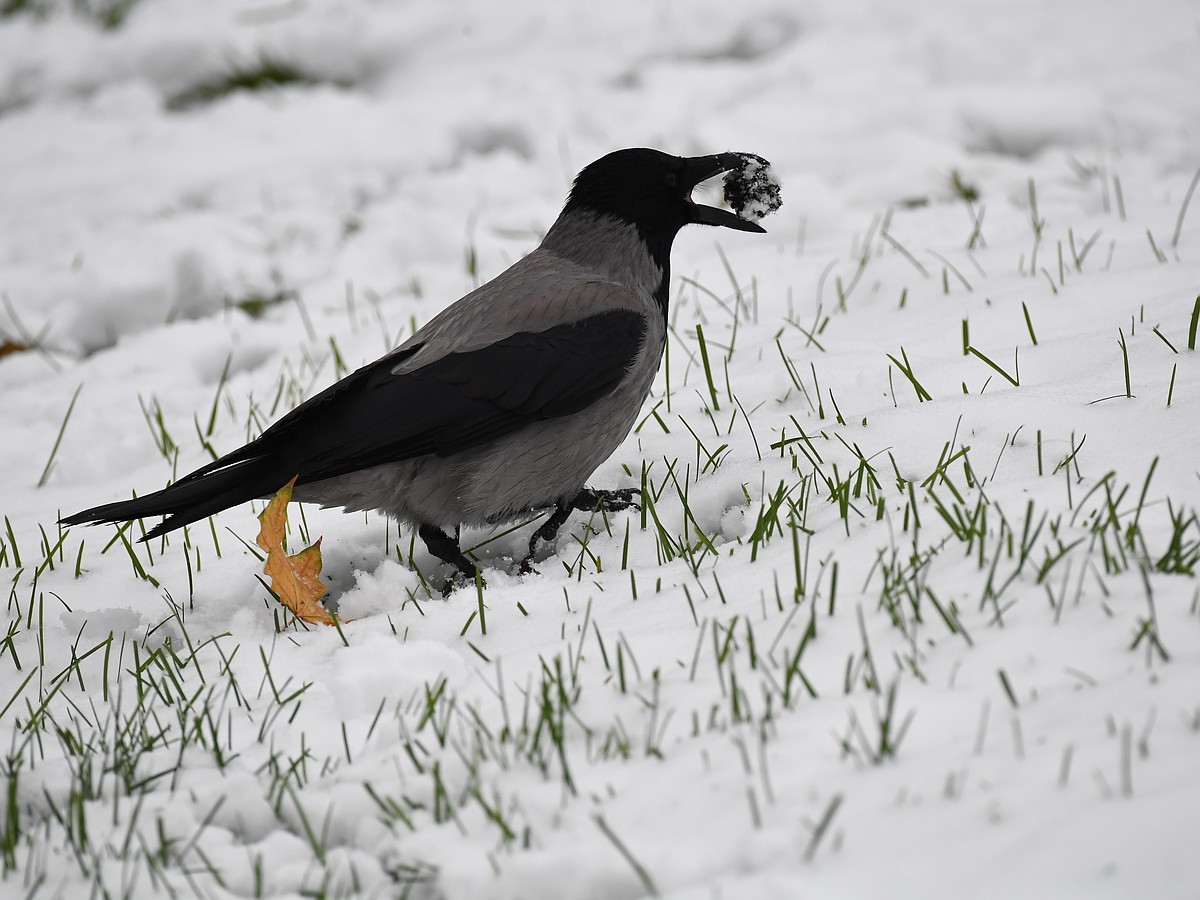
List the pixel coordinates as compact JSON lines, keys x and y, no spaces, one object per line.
{"x":460,"y":580}
{"x":587,"y":500}
{"x":591,"y":499}
{"x":447,"y":549}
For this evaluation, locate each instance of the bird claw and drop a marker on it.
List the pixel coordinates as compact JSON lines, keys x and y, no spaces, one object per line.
{"x":461,"y":580}
{"x":587,"y":500}
{"x":609,"y":500}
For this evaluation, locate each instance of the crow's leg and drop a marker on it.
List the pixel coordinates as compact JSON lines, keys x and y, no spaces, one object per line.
{"x":590,"y":499}
{"x":547,"y":532}
{"x":447,"y":549}
{"x":587,"y":500}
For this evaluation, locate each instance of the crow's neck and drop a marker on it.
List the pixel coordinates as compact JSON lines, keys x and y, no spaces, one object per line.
{"x":616,"y":250}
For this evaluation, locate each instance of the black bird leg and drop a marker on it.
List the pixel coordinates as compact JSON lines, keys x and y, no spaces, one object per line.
{"x":546,"y":533}
{"x":587,"y":500}
{"x":447,"y":549}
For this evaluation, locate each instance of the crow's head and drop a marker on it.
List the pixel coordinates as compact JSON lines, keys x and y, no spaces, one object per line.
{"x":653,"y":191}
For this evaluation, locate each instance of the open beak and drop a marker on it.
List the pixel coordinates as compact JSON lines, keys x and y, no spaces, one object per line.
{"x":702,"y":168}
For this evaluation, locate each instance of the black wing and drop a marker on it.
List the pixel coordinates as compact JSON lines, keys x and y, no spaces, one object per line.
{"x":373,"y":416}
{"x":456,"y":402}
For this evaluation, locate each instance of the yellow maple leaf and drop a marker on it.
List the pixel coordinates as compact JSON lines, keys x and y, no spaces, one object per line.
{"x":296,"y":580}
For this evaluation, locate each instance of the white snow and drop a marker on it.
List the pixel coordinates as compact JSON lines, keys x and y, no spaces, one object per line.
{"x":934,"y":642}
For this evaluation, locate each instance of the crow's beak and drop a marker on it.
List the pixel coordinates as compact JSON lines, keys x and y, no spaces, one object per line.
{"x":702,"y":168}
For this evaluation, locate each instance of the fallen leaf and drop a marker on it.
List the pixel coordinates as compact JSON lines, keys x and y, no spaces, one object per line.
{"x":296,"y":580}
{"x":8,"y":347}
{"x":272,"y":521}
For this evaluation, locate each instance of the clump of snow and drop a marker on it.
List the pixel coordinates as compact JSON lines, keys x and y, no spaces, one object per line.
{"x":754,"y":191}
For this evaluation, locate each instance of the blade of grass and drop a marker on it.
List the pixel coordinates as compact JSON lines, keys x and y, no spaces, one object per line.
{"x":1009,"y":378}
{"x":58,"y":440}
{"x":638,"y":868}
{"x":1195,"y":322}
{"x":1187,"y":198}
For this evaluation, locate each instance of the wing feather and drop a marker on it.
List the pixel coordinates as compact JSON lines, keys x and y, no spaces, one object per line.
{"x":456,"y":402}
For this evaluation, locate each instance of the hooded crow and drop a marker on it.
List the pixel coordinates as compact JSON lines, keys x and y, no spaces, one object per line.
{"x":507,"y":400}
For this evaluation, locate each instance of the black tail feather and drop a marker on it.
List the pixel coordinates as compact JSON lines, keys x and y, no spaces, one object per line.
{"x":190,"y":499}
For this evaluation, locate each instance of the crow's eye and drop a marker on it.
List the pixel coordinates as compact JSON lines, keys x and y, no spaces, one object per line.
{"x":670,"y":180}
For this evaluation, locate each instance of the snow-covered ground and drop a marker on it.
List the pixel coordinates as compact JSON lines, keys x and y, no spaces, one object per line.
{"x":914,"y":611}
